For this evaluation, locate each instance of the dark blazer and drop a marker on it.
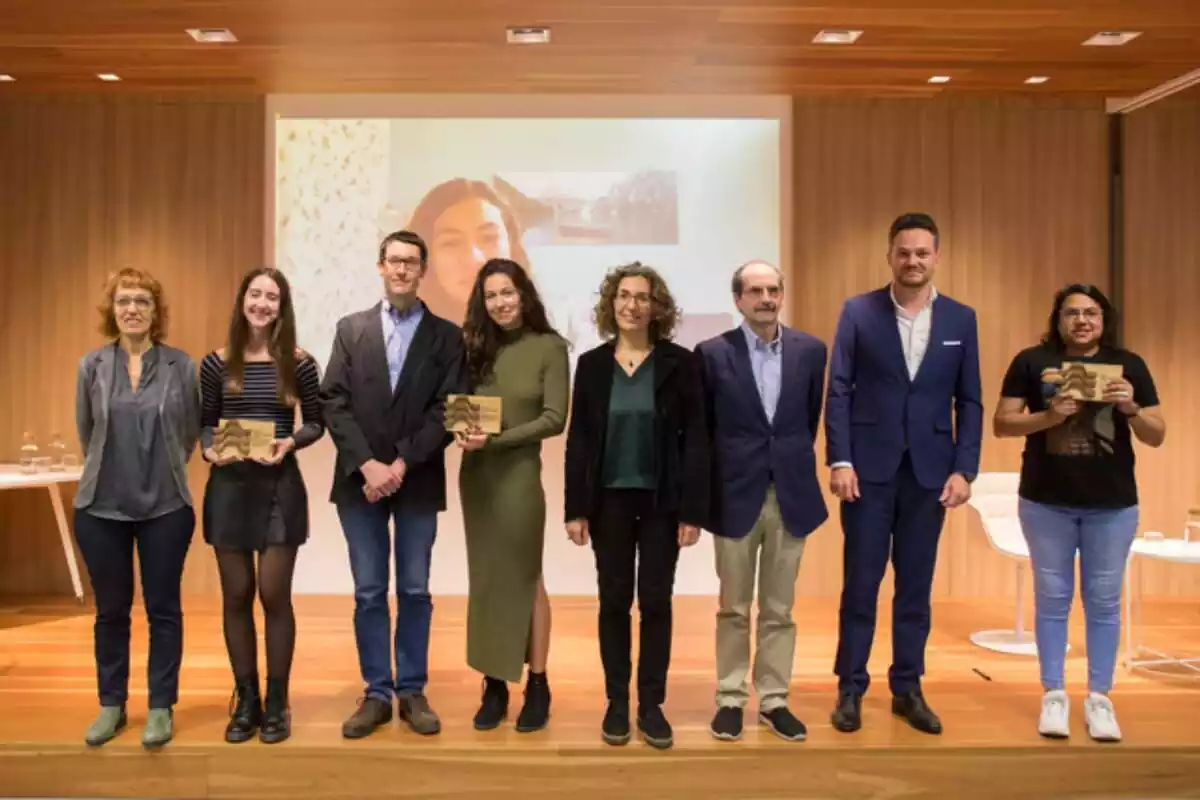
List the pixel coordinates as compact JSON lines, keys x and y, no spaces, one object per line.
{"x":368,"y":420}
{"x":749,"y":452}
{"x":681,"y":442}
{"x":874,"y":411}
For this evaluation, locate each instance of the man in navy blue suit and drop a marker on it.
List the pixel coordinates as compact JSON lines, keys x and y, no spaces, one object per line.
{"x":764,"y":384}
{"x":903,"y":358}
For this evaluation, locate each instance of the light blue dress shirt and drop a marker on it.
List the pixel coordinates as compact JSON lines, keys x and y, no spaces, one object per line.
{"x":398,"y":330}
{"x":766,"y":362}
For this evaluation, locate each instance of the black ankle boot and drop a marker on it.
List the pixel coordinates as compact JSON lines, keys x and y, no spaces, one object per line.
{"x":277,"y":718}
{"x":493,"y":708}
{"x":536,"y":710}
{"x":245,"y":711}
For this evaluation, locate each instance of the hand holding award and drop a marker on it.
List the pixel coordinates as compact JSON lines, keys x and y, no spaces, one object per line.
{"x":473,"y":419}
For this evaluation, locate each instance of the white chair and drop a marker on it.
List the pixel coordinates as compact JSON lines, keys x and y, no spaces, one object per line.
{"x":994,"y":499}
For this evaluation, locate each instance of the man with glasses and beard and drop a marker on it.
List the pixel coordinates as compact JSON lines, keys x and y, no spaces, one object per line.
{"x":764,"y":384}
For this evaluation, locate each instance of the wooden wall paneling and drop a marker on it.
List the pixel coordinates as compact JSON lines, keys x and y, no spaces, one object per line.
{"x":92,"y":184}
{"x":857,"y":164}
{"x":1019,"y":192}
{"x":1029,"y":215}
{"x":1018,"y":188}
{"x":1162,"y":290}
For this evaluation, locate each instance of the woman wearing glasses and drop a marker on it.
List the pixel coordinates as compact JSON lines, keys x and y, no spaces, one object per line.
{"x":137,"y":409}
{"x":636,"y":483}
{"x":1080,"y":401}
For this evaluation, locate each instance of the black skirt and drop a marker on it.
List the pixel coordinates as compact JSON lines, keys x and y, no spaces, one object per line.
{"x":249,"y":506}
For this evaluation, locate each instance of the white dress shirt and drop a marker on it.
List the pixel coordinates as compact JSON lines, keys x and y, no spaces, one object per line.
{"x":914,"y":332}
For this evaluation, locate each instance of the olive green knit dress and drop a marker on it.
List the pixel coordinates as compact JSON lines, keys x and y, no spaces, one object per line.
{"x":504,"y":505}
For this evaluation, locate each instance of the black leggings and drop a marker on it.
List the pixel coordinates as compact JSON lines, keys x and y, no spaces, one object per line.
{"x":276,"y":565}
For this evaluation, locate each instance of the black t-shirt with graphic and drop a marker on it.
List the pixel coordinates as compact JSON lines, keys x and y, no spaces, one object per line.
{"x":1086,"y":461}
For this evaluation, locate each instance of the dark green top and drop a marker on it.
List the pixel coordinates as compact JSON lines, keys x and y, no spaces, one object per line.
{"x":629,"y":441}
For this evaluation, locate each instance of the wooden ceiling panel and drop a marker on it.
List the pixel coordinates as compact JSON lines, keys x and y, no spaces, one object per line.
{"x":757,"y":46}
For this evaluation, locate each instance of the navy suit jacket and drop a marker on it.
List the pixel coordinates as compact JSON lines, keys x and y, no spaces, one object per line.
{"x":874,"y":411}
{"x":748,"y":451}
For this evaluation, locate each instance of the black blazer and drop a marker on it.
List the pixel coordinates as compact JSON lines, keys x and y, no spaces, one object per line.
{"x":681,"y":441}
{"x":366,"y":419}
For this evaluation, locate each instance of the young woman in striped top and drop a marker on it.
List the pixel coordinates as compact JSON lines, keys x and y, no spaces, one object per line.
{"x":259,"y":505}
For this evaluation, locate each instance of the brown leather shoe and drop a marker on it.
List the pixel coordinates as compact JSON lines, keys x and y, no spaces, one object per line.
{"x":414,"y":709}
{"x":372,"y":712}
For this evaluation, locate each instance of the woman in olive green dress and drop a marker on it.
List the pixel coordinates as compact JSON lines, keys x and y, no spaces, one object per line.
{"x":512,"y":353}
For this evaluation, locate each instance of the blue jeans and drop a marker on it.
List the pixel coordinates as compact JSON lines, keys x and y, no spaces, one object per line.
{"x":366,"y":528}
{"x":1102,"y":538}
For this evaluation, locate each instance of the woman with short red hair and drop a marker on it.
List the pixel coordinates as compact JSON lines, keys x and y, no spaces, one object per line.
{"x":137,"y":408}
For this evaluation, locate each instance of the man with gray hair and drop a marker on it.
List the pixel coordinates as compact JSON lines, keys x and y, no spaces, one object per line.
{"x":764,"y":387}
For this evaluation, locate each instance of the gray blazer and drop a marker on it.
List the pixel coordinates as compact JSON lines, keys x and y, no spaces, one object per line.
{"x":179,"y":412}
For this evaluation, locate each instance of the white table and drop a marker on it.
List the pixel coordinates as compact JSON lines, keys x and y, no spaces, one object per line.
{"x":11,"y":477}
{"x":1176,"y":551}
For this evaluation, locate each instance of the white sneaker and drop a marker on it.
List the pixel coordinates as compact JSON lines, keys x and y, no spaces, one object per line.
{"x":1101,"y":718}
{"x":1055,"y":721}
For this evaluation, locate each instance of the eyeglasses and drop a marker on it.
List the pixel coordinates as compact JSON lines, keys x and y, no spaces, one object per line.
{"x":1082,"y":313}
{"x":408,"y":264}
{"x":641,"y":298}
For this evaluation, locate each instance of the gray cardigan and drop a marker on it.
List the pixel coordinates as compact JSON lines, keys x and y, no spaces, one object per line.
{"x":179,"y":411}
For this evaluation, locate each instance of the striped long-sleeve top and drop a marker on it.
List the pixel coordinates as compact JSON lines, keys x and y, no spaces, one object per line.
{"x":258,"y":399}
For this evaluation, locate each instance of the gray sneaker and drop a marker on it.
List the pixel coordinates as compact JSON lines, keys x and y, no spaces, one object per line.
{"x":110,"y":722}
{"x":415,"y":710}
{"x":159,"y":728}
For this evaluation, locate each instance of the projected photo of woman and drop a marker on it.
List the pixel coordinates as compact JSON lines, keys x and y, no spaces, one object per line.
{"x":466,"y":223}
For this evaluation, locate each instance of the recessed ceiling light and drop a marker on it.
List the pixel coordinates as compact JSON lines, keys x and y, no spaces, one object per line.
{"x":212,"y":35}
{"x":837,"y":37}
{"x":108,"y":76}
{"x":6,"y":78}
{"x":1112,"y":38}
{"x":1034,"y":79}
{"x":940,"y":79}
{"x":527,"y":35}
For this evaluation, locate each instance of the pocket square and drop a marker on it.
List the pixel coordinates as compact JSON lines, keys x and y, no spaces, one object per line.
{"x":951,"y":344}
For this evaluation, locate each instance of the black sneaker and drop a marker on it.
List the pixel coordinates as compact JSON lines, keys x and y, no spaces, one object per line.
{"x":656,"y":731}
{"x":536,"y":711}
{"x":784,"y":724}
{"x":727,"y":724}
{"x":493,"y":708}
{"x":615,"y":728}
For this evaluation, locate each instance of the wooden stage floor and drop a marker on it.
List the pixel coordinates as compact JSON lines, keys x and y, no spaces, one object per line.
{"x":990,"y":747}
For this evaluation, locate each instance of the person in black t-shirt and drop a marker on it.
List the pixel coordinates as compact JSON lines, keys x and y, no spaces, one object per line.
{"x":1079,"y":400}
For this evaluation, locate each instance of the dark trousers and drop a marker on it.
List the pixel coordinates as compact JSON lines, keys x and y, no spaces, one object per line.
{"x":630,"y":538}
{"x":365,"y":526}
{"x":903,"y":519}
{"x":162,"y":546}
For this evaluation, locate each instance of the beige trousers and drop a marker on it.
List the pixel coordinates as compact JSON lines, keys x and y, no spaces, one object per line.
{"x":772,"y":555}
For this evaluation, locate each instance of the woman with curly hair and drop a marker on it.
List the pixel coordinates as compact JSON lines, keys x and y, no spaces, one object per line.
{"x":636,"y":483}
{"x":512,"y":353}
